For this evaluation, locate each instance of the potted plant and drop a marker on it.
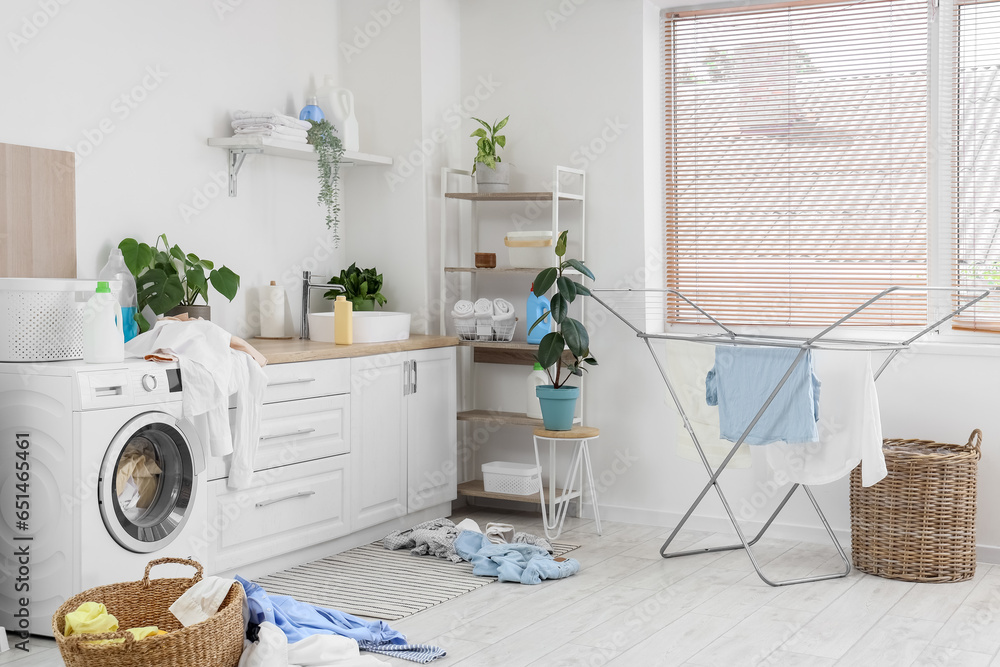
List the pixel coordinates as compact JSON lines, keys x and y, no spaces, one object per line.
{"x":170,"y":281}
{"x":362,"y":287}
{"x":558,"y":400}
{"x":495,"y":175}
{"x":330,"y":150}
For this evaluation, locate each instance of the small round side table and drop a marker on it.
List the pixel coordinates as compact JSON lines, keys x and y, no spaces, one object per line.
{"x":580,"y":436}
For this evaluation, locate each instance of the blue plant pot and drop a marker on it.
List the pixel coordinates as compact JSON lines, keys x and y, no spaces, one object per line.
{"x":558,"y":406}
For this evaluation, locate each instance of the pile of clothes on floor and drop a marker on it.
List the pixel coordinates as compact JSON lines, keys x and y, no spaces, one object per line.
{"x":498,"y":552}
{"x":275,"y":125}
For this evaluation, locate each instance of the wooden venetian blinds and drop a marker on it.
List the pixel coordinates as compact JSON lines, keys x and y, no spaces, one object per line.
{"x":976,"y":239}
{"x":796,"y":160}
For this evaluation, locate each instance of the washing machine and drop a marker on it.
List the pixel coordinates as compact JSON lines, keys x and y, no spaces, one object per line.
{"x":99,"y":474}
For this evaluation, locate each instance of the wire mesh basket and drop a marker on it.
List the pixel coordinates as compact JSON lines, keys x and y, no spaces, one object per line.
{"x":467,"y":329}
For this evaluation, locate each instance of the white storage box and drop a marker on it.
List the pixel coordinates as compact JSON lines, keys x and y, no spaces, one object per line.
{"x":519,"y":479}
{"x":531,"y":250}
{"x":41,"y":319}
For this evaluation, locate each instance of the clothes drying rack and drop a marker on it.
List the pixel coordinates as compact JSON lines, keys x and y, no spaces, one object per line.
{"x":820,"y":341}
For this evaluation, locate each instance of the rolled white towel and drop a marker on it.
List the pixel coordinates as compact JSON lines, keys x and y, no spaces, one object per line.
{"x":484,"y":307}
{"x":503,"y":310}
{"x":463,"y":310}
{"x":484,"y":319}
{"x":275,"y":118}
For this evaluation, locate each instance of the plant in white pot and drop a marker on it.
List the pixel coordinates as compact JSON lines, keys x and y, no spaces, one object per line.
{"x":492,"y":175}
{"x":558,"y":400}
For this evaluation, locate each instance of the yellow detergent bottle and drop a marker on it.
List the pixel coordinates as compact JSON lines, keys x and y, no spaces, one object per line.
{"x":343,"y":324}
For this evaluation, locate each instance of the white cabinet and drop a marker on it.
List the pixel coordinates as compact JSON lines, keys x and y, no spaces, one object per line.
{"x":403,"y":436}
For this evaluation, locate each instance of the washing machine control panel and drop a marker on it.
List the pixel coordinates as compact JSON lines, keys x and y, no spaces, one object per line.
{"x":118,"y":387}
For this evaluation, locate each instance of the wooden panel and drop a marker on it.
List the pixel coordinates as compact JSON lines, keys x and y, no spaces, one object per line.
{"x":37,"y":213}
{"x":515,"y":354}
{"x":498,"y":417}
{"x":296,"y":349}
{"x":476,"y":489}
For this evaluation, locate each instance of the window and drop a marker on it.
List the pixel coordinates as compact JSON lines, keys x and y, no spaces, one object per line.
{"x":977,"y":183}
{"x":797,"y":161}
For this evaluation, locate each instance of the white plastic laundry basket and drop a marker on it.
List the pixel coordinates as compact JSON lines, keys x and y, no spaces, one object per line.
{"x":519,"y":479}
{"x":41,"y":319}
{"x":532,"y":250}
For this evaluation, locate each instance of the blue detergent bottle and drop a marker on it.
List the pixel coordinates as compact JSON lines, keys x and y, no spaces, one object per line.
{"x":127,"y":296}
{"x":536,"y":306}
{"x":311,"y":110}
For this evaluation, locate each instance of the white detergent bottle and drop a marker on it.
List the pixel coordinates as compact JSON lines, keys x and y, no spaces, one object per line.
{"x":537,"y":377}
{"x":103,"y":330}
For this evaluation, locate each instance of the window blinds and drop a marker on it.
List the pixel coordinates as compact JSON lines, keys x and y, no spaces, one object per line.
{"x":797,"y":161}
{"x":976,"y":239}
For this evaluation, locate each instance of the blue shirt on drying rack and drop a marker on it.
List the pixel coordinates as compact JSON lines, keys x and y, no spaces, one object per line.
{"x":742,"y":379}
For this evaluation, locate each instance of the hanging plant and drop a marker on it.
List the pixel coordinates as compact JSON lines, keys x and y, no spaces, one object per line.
{"x":330,"y":151}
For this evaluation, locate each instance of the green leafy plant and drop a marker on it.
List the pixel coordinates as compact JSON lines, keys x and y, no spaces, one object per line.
{"x":487,"y":143}
{"x":168,"y":277}
{"x":363,"y":287}
{"x":571,"y":333}
{"x":330,"y":151}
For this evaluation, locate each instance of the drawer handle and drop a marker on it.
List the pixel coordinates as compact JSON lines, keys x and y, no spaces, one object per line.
{"x":284,"y":382}
{"x":292,"y":434}
{"x":300,"y":494}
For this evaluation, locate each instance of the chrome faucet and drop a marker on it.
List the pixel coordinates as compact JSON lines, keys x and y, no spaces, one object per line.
{"x":307,"y":287}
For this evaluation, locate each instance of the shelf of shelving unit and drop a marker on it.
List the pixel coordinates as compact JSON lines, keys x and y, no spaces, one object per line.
{"x":512,"y":196}
{"x":502,"y":269}
{"x":515,"y":353}
{"x":476,"y":489}
{"x":500,"y":417}
{"x":240,"y":147}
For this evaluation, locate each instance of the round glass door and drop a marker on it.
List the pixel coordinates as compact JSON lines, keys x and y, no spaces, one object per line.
{"x":147,"y":486}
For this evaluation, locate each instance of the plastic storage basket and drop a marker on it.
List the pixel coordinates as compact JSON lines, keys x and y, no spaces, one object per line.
{"x":41,"y":319}
{"x":530,"y":249}
{"x":919,"y":523}
{"x":217,"y":642}
{"x":518,"y":479}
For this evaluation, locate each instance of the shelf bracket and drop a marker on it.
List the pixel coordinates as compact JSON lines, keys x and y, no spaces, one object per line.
{"x":236,"y":157}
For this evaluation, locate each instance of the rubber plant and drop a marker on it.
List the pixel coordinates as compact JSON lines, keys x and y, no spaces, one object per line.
{"x":330,"y":151}
{"x":570,"y":333}
{"x":168,"y":277}
{"x":487,"y":143}
{"x":362,"y":287}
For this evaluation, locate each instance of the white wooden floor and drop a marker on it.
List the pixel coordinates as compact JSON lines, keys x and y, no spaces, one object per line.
{"x":628,"y":607}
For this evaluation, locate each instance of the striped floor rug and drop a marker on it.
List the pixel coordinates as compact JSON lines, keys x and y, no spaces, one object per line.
{"x":374,"y":582}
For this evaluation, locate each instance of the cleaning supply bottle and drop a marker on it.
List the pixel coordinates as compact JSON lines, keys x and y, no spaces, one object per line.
{"x":536,"y":306}
{"x":311,"y":110}
{"x":103,"y":334}
{"x":537,"y":377}
{"x":343,"y":321}
{"x":116,"y":270}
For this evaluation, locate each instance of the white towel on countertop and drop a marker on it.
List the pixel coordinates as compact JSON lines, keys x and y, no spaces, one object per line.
{"x":274,"y":118}
{"x":247,"y":127}
{"x":202,"y":601}
{"x":463,"y":310}
{"x":503,"y":310}
{"x":850,"y":426}
{"x":687,"y":365}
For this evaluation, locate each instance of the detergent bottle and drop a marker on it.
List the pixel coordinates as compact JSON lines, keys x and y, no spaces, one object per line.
{"x":103,"y":333}
{"x":536,"y":306}
{"x":128,"y":299}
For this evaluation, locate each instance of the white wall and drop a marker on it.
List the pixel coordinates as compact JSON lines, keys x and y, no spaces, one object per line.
{"x":66,"y":83}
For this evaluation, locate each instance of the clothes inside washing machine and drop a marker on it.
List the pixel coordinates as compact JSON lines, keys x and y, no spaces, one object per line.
{"x":138,"y":477}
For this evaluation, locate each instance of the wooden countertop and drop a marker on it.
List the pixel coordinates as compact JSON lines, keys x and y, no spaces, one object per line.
{"x":296,"y":349}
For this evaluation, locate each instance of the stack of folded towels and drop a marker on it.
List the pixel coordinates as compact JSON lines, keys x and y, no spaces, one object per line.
{"x":279,"y":126}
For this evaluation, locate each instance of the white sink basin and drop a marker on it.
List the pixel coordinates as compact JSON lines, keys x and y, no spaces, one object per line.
{"x":376,"y":326}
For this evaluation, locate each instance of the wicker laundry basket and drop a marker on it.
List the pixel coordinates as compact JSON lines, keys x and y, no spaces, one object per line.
{"x":217,"y":642}
{"x":919,"y":523}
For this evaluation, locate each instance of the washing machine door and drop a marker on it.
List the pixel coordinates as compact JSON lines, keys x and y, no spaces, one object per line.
{"x":147,"y":484}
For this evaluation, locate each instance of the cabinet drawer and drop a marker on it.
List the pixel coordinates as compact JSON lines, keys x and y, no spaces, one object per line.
{"x":288,"y":508}
{"x":306,"y":379}
{"x":296,"y":431}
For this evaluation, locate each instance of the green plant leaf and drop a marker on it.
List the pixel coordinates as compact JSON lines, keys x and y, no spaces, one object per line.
{"x":196,"y":282}
{"x":544,"y":280}
{"x":145,"y":257}
{"x":364,"y":289}
{"x":576,"y":337}
{"x":482,"y":122}
{"x":501,"y":141}
{"x":550,"y":349}
{"x":579,"y":266}
{"x":169,"y":296}
{"x":561,"y":243}
{"x":559,"y":308}
{"x":540,"y":319}
{"x":205,"y":264}
{"x":225,"y":282}
{"x":582,"y":289}
{"x":591,"y":361}
{"x":141,"y":321}
{"x":567,"y":288}
{"x":193,"y":259}
{"x":130,"y":251}
{"x":480,"y":132}
{"x":499,"y":126}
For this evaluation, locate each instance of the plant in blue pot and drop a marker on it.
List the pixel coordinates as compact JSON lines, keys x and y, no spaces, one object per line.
{"x":558,"y":400}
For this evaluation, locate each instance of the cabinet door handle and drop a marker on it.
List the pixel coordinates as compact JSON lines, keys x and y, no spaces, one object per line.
{"x":301,"y":431}
{"x":414,"y":378}
{"x":300,"y":494}
{"x":284,"y":382}
{"x":407,"y":382}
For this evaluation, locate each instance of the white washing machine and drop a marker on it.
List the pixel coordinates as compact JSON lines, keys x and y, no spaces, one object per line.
{"x":99,"y":474}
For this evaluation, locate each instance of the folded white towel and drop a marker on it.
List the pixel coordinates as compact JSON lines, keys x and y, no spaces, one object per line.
{"x":274,"y":118}
{"x":267,"y":133}
{"x":202,"y":601}
{"x":503,"y":310}
{"x":463,"y":310}
{"x":241,"y":126}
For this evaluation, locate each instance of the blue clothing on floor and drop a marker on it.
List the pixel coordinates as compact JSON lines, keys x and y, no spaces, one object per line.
{"x":743,"y":378}
{"x":421,"y":653}
{"x":521,"y":563}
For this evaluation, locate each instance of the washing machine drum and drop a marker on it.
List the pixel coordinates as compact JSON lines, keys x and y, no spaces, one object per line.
{"x":147,"y":483}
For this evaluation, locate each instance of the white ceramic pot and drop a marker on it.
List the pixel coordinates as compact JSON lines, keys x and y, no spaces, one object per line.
{"x":493,"y":180}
